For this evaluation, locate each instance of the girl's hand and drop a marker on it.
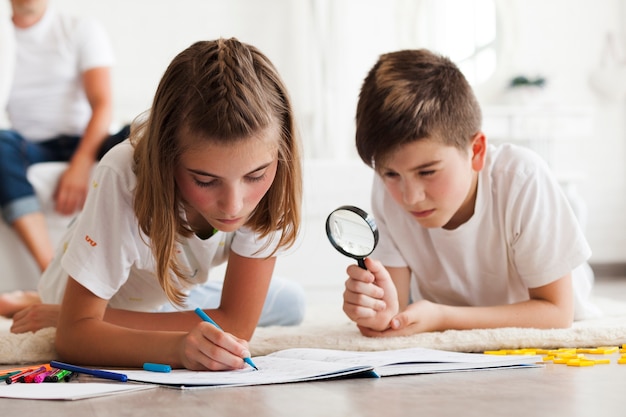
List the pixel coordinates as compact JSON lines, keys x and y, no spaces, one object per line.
{"x":35,"y":317}
{"x":419,"y":317}
{"x":208,"y":348}
{"x":370,"y":298}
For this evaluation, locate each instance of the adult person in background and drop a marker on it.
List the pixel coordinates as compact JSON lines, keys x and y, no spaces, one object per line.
{"x":60,"y":109}
{"x":7,"y":54}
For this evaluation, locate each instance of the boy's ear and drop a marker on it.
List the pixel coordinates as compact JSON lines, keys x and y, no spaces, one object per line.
{"x":479,"y":151}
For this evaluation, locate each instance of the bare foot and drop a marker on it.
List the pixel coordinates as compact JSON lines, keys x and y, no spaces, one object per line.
{"x":12,"y":302}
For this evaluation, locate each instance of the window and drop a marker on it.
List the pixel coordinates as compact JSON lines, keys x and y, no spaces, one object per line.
{"x":463,"y":30}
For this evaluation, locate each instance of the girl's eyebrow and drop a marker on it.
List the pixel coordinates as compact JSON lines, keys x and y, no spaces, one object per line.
{"x":208,"y":174}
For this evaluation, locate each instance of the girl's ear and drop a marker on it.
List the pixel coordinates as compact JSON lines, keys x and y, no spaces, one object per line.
{"x":479,"y":151}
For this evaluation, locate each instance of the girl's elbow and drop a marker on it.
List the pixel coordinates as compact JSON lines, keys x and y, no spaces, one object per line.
{"x":64,"y":347}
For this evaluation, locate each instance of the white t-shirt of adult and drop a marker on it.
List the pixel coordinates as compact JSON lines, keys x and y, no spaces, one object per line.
{"x":105,"y":251}
{"x":7,"y":56}
{"x":523,"y":234}
{"x":47,"y":98}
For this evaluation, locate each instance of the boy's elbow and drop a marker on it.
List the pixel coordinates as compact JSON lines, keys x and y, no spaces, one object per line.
{"x":564,"y":323}
{"x":563,"y":319}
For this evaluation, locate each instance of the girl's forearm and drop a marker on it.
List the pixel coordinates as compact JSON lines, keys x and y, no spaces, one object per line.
{"x":93,"y":342}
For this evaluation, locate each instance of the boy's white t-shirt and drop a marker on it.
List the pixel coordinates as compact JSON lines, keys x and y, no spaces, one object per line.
{"x":523,"y":234}
{"x":105,"y":251}
{"x":47,"y":97}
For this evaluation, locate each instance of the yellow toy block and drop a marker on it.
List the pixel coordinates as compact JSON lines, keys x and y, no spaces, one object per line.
{"x":607,"y":350}
{"x":580,"y":362}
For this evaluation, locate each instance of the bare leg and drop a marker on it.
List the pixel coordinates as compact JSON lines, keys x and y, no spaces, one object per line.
{"x":33,"y":231}
{"x":12,"y":302}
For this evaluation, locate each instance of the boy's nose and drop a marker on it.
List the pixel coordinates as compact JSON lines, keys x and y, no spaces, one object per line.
{"x":412,"y":193}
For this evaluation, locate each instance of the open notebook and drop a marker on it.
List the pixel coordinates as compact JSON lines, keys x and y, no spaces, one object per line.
{"x":299,"y":365}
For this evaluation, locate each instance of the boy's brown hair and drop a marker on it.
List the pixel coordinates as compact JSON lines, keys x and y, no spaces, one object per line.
{"x":411,"y":95}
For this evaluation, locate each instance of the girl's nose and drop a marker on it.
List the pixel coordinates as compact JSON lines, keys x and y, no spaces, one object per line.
{"x":231,"y":202}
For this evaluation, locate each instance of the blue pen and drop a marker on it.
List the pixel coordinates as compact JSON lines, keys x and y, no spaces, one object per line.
{"x":204,"y":316}
{"x":88,"y":371}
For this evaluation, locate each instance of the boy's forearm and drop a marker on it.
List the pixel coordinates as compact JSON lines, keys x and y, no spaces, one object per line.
{"x":539,"y":314}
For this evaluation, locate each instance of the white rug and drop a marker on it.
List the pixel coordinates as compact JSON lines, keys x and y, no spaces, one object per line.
{"x":330,"y":329}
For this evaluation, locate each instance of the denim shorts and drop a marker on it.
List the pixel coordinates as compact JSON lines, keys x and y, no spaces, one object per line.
{"x":17,"y":154}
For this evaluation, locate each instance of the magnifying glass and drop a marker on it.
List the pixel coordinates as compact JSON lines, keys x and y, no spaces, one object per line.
{"x":352,"y":232}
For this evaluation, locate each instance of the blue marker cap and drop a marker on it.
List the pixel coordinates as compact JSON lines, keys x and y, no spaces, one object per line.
{"x":156,"y":367}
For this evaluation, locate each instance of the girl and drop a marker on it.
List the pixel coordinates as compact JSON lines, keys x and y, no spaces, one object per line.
{"x":212,"y":175}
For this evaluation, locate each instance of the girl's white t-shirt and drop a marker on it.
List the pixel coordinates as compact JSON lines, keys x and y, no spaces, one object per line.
{"x":105,"y":251}
{"x":523,"y":234}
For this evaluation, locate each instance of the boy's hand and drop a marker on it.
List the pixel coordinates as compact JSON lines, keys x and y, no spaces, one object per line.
{"x":370,"y":298}
{"x":419,"y":317}
{"x":208,"y":348}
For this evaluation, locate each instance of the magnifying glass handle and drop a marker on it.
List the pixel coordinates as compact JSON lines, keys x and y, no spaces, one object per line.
{"x":361,"y":262}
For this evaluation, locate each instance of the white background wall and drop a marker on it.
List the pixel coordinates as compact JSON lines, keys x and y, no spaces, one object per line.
{"x":323,"y":48}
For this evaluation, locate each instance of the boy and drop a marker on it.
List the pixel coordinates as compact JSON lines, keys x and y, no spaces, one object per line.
{"x":471,"y":236}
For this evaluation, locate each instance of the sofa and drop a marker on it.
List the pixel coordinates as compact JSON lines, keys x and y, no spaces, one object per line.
{"x":18,"y":268}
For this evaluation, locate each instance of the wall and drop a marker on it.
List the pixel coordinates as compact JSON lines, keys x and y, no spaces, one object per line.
{"x":564,"y":41}
{"x":323,"y":48}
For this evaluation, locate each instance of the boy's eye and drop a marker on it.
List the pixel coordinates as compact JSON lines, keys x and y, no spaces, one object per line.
{"x":427,"y":173}
{"x":390,"y":174}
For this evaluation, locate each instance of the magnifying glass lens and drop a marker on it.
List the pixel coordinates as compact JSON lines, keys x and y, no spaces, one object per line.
{"x":352,"y":232}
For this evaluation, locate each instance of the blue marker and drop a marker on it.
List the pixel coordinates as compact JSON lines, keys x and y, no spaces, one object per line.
{"x":205,"y":317}
{"x":156,"y":367}
{"x":88,"y":371}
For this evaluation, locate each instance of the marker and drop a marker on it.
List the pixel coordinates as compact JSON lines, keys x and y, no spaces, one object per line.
{"x":9,"y":375}
{"x":16,"y":377}
{"x":68,"y":377}
{"x":53,"y":376}
{"x":88,"y":371}
{"x":31,"y":376}
{"x":205,"y":317}
{"x":41,"y":377}
{"x":63,"y":375}
{"x":156,"y":367}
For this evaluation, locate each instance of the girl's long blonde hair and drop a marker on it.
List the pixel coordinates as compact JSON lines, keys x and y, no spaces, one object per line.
{"x":226,"y":91}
